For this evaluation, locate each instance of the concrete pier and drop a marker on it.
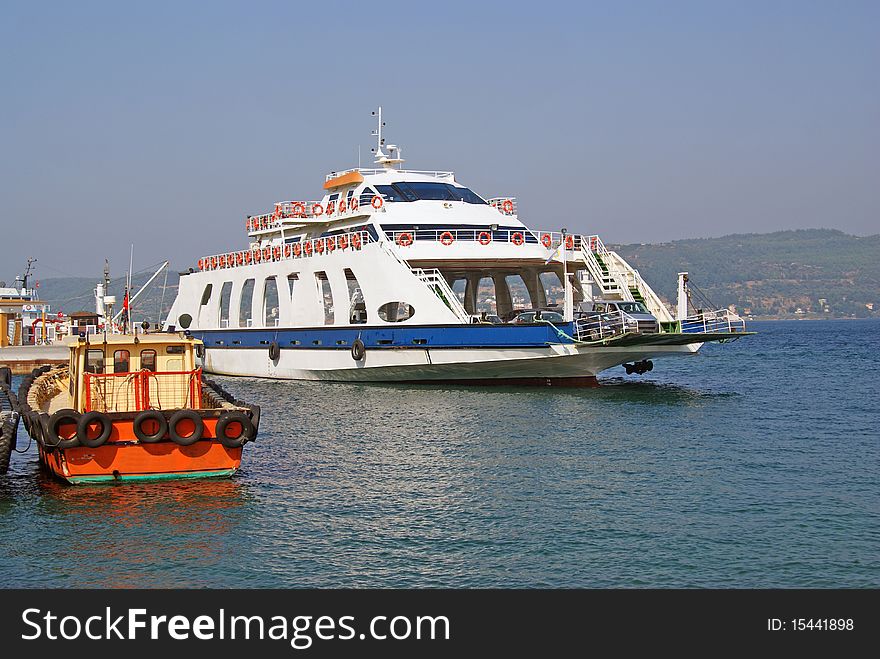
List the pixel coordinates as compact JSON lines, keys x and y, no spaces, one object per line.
{"x":23,"y":359}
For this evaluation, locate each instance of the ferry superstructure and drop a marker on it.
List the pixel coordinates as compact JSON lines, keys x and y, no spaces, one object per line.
{"x":360,"y":286}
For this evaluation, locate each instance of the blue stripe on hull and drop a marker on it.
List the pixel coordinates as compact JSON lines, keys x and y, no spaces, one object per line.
{"x":432,"y":336}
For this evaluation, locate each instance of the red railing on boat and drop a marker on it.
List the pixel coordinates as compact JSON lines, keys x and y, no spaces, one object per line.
{"x":143,"y":390}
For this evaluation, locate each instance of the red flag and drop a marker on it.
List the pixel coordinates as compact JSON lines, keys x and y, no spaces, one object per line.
{"x":125,"y":302}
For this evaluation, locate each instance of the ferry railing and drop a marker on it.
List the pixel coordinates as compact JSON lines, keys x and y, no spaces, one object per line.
{"x":352,"y":240}
{"x":718,"y":321}
{"x":485,"y":236}
{"x":595,"y":326}
{"x":143,"y":390}
{"x":297,"y":212}
{"x":504,"y":205}
{"x":373,"y":171}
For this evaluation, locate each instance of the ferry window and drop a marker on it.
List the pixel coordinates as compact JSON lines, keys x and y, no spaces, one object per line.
{"x":185,"y":320}
{"x":207,"y":294}
{"x":95,"y":361}
{"x":519,"y":294}
{"x":174,"y":350}
{"x":247,"y":298}
{"x":121,"y":360}
{"x":148,"y":360}
{"x":486,"y":296}
{"x":325,"y":296}
{"x":553,"y":289}
{"x":396,"y":312}
{"x":291,"y":281}
{"x":357,"y":313}
{"x":391,"y":193}
{"x":366,"y":196}
{"x":465,"y":194}
{"x":350,"y":194}
{"x":270,"y":302}
{"x":225,"y":297}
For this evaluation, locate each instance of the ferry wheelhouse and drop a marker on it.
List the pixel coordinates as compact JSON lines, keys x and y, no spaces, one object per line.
{"x":386,"y":278}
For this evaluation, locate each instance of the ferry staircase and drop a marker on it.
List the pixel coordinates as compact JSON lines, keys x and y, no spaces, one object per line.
{"x":619,"y":280}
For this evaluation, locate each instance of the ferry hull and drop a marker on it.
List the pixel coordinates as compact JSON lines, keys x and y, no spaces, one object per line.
{"x":552,"y":365}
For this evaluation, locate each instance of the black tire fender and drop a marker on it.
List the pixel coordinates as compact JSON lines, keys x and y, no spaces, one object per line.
{"x":358,"y":350}
{"x":82,"y":429}
{"x":179,"y":416}
{"x":68,"y":416}
{"x":150,"y":415}
{"x":235,"y":441}
{"x":274,"y":351}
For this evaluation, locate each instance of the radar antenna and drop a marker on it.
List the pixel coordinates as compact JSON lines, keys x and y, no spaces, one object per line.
{"x":386,"y":161}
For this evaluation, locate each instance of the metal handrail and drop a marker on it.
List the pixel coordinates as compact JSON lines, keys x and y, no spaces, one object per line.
{"x":719,"y":321}
{"x":354,"y":240}
{"x":435,"y":280}
{"x":384,"y":170}
{"x":595,"y":326}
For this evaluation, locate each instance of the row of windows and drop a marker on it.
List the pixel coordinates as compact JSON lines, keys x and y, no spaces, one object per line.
{"x":95,"y":360}
{"x":414,"y":191}
{"x":357,"y":312}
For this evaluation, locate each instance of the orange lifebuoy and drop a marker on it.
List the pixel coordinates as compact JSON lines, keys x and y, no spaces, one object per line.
{"x":446,"y":238}
{"x":201,"y":264}
{"x":546,"y":240}
{"x":331,"y":206}
{"x":239,"y":258}
{"x":213,"y":263}
{"x":331,"y":243}
{"x":319,"y":246}
{"x":277,"y":253}
{"x":377,"y":202}
{"x":484,"y":238}
{"x":342,"y":241}
{"x":342,"y":205}
{"x":248,"y":257}
{"x":569,"y":242}
{"x":287,"y":251}
{"x":267,"y":253}
{"x":356,"y":240}
{"x":353,"y":204}
{"x":517,"y":238}
{"x":307,"y":248}
{"x":297,"y":249}
{"x":258,"y":256}
{"x":317,"y":210}
{"x":405,"y":239}
{"x":299,"y":209}
{"x":507,"y":206}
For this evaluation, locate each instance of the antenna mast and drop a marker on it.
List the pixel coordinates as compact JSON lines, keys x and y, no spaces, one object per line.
{"x":381,"y":158}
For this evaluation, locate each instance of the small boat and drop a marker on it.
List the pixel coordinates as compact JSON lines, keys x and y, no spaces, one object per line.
{"x":134,"y":407}
{"x":8,"y":419}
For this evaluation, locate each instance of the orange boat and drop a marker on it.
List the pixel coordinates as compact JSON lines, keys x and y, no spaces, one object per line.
{"x":134,"y":407}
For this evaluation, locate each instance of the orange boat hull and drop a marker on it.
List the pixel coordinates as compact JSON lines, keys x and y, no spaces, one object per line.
{"x":123,"y":457}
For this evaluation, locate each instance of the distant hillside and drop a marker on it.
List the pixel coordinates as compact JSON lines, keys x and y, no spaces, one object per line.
{"x":817,"y":271}
{"x":772,"y":274}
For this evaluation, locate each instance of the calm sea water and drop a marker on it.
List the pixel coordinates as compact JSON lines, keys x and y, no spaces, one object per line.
{"x":753,"y":464}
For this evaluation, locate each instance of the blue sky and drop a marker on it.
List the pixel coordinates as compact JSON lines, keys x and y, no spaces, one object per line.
{"x":164,"y":123}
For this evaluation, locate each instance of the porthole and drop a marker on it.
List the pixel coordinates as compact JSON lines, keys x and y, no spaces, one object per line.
{"x":396,"y":312}
{"x":185,"y":320}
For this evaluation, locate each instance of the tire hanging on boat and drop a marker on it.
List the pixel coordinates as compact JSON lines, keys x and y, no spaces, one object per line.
{"x":54,"y":433}
{"x":83,"y":427}
{"x":274,"y":351}
{"x":234,"y":429}
{"x":185,"y":415}
{"x":358,"y":350}
{"x":158,"y":431}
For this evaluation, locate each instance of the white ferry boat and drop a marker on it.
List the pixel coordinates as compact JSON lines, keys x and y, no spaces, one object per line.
{"x":379,"y":279}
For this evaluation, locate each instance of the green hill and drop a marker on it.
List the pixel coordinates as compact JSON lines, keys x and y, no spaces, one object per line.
{"x":772,"y":274}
